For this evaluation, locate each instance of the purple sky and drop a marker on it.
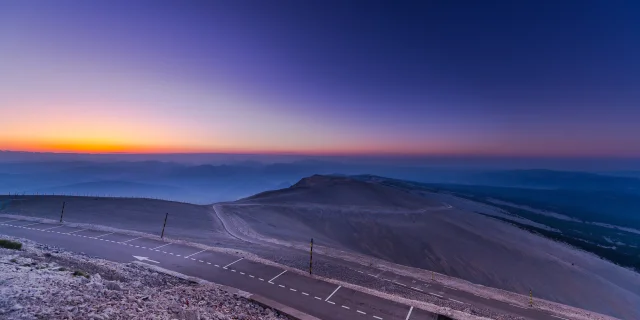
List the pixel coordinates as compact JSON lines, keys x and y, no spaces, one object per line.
{"x":526,"y":79}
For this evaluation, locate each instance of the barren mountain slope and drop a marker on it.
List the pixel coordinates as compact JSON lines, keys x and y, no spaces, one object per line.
{"x":408,"y":229}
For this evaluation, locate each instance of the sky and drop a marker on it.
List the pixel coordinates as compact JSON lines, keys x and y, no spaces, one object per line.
{"x":497,"y":78}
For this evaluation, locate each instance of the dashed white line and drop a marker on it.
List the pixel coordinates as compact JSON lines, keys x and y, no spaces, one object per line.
{"x":271,"y":281}
{"x":233,"y":270}
{"x":189,"y":256}
{"x":200,"y":261}
{"x":362,"y":312}
{"x":436,"y":295}
{"x":409,"y":314}
{"x":377,"y":317}
{"x":292,"y":289}
{"x":331,"y":302}
{"x":306,"y":294}
{"x":208,"y":262}
{"x":281,"y":286}
{"x":251,"y":276}
{"x":217,"y":265}
{"x":414,"y":288}
{"x":242,"y":273}
{"x":332,"y":293}
{"x":456,"y":300}
{"x":231,"y":263}
{"x":346,"y":307}
{"x":260,"y":279}
{"x":318,"y":298}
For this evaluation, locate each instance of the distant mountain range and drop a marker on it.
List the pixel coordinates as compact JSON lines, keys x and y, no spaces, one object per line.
{"x":208,"y":183}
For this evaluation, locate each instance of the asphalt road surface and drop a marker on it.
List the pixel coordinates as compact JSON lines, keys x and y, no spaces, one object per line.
{"x":312,"y":296}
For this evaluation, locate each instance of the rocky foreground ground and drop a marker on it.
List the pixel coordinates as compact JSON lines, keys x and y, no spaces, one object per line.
{"x":45,"y":282}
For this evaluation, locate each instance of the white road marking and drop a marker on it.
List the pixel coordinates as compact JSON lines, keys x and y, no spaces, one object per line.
{"x":251,"y":276}
{"x":164,"y":245}
{"x":358,"y":311}
{"x":145,"y":259}
{"x":436,"y":295}
{"x":231,"y":263}
{"x":242,"y":273}
{"x":260,"y":279}
{"x":306,"y":294}
{"x":345,"y":307}
{"x":217,"y":265}
{"x":76,"y":231}
{"x":281,"y":286}
{"x":409,"y":314}
{"x":208,"y":262}
{"x":414,"y":288}
{"x":271,"y":281}
{"x":456,"y":300}
{"x":331,"y":302}
{"x":189,"y":256}
{"x":360,"y":271}
{"x":200,"y":261}
{"x":377,"y":317}
{"x":332,"y":293}
{"x":26,"y":225}
{"x":131,"y":239}
{"x":515,"y":305}
{"x":318,"y":298}
{"x":232,"y":270}
{"x":294,"y":290}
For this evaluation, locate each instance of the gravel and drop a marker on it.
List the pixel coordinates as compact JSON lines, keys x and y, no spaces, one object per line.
{"x":37,"y":282}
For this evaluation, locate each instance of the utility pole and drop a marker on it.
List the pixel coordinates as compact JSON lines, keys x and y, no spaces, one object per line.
{"x":530,"y":298}
{"x":311,"y":257}
{"x":62,"y":213}
{"x":165,"y":224}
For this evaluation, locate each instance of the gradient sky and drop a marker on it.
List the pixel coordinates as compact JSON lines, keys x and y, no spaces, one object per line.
{"x":524,"y":78}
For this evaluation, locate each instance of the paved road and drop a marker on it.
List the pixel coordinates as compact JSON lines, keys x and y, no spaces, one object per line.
{"x":307,"y":294}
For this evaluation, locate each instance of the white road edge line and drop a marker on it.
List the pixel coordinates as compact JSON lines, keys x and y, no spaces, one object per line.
{"x":195,"y":253}
{"x":11,"y":221}
{"x":559,"y":317}
{"x":131,"y":240}
{"x":100,"y":236}
{"x":436,"y":295}
{"x":26,"y":225}
{"x":409,"y":314}
{"x":271,"y":281}
{"x":164,"y":245}
{"x":76,"y":231}
{"x":231,"y":263}
{"x":332,"y":293}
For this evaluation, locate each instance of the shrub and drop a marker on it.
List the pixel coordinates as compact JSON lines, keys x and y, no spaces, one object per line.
{"x":80,"y":273}
{"x":10,"y":244}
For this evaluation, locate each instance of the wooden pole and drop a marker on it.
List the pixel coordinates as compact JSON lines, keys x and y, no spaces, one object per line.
{"x":311,"y":257}
{"x":62,"y":213}
{"x":165,"y":224}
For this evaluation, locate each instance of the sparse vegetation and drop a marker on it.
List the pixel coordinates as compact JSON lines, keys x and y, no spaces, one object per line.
{"x":80,"y":273}
{"x":14,"y":260}
{"x":10,"y":244}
